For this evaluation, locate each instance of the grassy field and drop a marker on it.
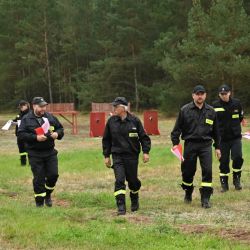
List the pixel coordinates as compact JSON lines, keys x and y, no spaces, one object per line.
{"x":84,"y":214}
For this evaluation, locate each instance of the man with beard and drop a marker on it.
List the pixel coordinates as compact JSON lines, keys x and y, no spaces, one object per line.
{"x":39,"y":130}
{"x":197,"y":125}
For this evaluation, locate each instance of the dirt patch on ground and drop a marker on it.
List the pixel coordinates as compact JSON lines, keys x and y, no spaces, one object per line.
{"x":138,"y":219}
{"x":61,"y":203}
{"x":239,"y":234}
{"x":7,"y":193}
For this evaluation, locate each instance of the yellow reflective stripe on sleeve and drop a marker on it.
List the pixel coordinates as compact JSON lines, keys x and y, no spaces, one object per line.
{"x":187,"y":184}
{"x":51,"y":128}
{"x":134,"y":192}
{"x":210,"y":122}
{"x":221,"y":174}
{"x":133,"y":135}
{"x":24,"y":153}
{"x":236,"y":170}
{"x":206,"y":184}
{"x":119,"y":192}
{"x":236,"y":116}
{"x":219,"y":109}
{"x":40,"y":195}
{"x":49,"y":188}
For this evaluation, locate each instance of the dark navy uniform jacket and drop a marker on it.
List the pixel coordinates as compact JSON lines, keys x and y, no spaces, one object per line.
{"x":125,"y":137}
{"x":27,"y":133}
{"x":197,"y":125}
{"x":230,"y":115}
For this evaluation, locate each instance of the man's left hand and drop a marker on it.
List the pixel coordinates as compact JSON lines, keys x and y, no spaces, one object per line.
{"x":218,"y":153}
{"x":54,"y":135}
{"x":145,"y":158}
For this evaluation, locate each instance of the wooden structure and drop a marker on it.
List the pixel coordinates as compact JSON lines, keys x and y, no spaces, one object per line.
{"x":97,"y":124}
{"x":65,"y":109}
{"x":151,"y":122}
{"x":104,"y":107}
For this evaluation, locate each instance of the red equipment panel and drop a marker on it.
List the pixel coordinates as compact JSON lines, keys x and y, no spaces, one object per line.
{"x":97,"y":124}
{"x":151,"y":122}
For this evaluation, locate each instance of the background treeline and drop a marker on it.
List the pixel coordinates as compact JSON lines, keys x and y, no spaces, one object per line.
{"x":151,"y":51}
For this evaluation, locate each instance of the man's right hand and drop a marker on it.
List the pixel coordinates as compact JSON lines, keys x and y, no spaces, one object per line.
{"x":41,"y":138}
{"x":107,"y":162}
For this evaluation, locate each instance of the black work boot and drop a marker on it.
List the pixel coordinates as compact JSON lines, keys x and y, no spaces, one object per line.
{"x":23,"y":160}
{"x":121,"y":206}
{"x":224,"y":184}
{"x":188,"y":194}
{"x":39,"y":201}
{"x":134,"y":201}
{"x":205,"y":196}
{"x":236,"y":180}
{"x":48,"y":201}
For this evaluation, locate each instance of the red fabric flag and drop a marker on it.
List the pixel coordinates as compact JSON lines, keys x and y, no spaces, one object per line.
{"x":39,"y":131}
{"x":178,"y":152}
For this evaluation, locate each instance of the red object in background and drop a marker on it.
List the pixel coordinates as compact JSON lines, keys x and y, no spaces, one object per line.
{"x":151,"y":122}
{"x":39,"y":131}
{"x":97,"y":124}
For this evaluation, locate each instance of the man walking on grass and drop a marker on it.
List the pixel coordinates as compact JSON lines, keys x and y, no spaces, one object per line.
{"x":197,"y":125}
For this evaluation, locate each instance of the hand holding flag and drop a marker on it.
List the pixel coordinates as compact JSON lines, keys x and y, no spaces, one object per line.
{"x":177,"y":151}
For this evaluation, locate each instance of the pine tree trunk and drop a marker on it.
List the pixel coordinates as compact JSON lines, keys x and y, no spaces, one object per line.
{"x":135,"y":81}
{"x":47,"y":57}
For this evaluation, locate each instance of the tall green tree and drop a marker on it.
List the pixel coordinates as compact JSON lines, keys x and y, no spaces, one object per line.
{"x":216,"y":49}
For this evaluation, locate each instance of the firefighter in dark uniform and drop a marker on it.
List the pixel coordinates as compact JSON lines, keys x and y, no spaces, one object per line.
{"x":230,"y":115}
{"x":24,"y":108}
{"x":40,"y":147}
{"x":123,"y":138}
{"x":197,"y":125}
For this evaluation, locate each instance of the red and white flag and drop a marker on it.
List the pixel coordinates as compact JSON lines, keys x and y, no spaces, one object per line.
{"x":177,"y":151}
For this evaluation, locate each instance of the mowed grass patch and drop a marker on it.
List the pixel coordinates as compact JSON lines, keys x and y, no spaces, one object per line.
{"x":84,"y":213}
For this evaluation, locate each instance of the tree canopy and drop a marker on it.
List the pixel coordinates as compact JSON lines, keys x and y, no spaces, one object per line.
{"x":151,"y":51}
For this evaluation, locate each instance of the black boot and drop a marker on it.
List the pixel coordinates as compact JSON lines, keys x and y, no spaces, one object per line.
{"x":39,"y":201}
{"x":205,"y":196}
{"x":236,"y":180}
{"x":121,"y":206}
{"x":224,"y":184}
{"x":188,"y":194}
{"x":23,"y":160}
{"x":48,"y":201}
{"x":134,"y":201}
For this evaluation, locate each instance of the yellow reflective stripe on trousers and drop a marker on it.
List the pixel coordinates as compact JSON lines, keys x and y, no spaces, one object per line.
{"x":221,"y":174}
{"x":219,"y":109}
{"x":40,"y":195}
{"x":210,"y":122}
{"x":236,"y":170}
{"x":24,"y":153}
{"x":119,"y":192}
{"x":206,"y":184}
{"x":187,"y":184}
{"x":49,"y":188}
{"x":134,"y":192}
{"x":236,"y":116}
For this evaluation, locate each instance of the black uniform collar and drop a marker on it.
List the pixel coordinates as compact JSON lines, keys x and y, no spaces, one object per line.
{"x":32,"y":115}
{"x":205,"y":106}
{"x":226,"y":103}
{"x":129,"y":117}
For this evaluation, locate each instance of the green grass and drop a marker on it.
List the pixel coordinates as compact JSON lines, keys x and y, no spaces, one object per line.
{"x":84,"y":214}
